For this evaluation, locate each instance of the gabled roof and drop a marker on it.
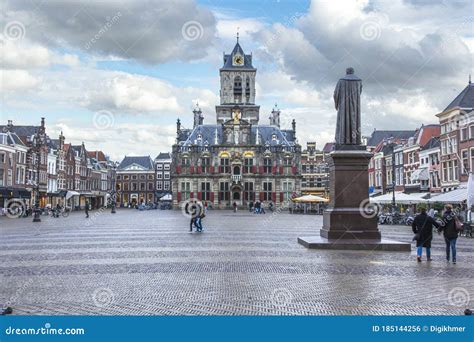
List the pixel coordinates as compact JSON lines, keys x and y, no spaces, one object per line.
{"x":22,"y":131}
{"x":207,"y":134}
{"x":465,"y":99}
{"x":328,"y":147}
{"x":97,"y":155}
{"x":229,"y":58}
{"x":378,"y":136}
{"x":426,"y":132}
{"x":163,"y":156}
{"x":143,"y":161}
{"x":432,"y":143}
{"x":14,"y":139}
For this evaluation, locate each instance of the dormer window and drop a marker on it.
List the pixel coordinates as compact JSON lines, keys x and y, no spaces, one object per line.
{"x":199,"y":136}
{"x":274,"y":137}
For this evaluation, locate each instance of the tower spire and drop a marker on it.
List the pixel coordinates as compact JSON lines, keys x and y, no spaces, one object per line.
{"x":469,"y":78}
{"x":238,"y":34}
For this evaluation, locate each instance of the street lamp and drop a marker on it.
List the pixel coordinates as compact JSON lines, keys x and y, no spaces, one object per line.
{"x":393,"y":180}
{"x":38,"y":141}
{"x":114,"y":189}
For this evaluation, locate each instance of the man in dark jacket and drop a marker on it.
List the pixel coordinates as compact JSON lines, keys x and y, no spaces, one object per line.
{"x":449,"y":231}
{"x":422,"y":226}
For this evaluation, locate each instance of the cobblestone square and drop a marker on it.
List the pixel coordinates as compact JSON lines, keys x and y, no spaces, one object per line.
{"x":147,"y":263}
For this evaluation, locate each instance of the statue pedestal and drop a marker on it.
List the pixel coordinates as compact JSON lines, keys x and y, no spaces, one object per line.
{"x":348,"y":222}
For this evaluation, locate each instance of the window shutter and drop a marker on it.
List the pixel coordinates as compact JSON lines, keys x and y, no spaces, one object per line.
{"x":179,"y":196}
{"x":281,"y":197}
{"x":274,"y":196}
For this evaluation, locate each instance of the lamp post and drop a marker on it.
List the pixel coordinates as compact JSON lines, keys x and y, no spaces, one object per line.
{"x":393,"y":180}
{"x":38,"y":141}
{"x":114,"y":189}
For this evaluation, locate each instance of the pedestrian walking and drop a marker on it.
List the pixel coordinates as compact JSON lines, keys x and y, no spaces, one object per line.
{"x":450,"y":228}
{"x":422,"y":227}
{"x":199,"y":219}
{"x":87,"y":209}
{"x":189,"y":210}
{"x":234,"y":205}
{"x":250,"y":206}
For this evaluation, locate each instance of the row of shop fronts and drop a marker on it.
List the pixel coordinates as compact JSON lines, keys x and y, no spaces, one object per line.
{"x":71,"y":199}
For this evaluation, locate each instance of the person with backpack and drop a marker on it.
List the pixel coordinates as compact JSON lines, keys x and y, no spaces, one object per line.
{"x":422,"y":227}
{"x":450,"y":228}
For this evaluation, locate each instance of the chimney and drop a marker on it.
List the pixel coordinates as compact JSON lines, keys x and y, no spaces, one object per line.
{"x":293,"y":126}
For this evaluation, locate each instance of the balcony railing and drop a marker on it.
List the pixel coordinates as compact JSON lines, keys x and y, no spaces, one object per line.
{"x":236,"y":178}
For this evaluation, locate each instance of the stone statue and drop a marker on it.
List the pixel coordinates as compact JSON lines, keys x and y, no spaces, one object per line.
{"x":347,"y":101}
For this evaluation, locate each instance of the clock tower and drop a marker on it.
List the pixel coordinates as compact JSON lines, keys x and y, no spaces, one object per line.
{"x":237,"y":77}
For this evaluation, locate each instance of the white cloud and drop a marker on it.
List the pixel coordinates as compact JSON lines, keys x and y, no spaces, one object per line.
{"x":150,"y":32}
{"x":122,"y":138}
{"x":17,"y":80}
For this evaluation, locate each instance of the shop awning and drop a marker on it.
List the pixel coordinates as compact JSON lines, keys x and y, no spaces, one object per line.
{"x":455,"y":196}
{"x":72,"y":193}
{"x":400,"y":197}
{"x":420,"y":175}
{"x":166,"y":197}
{"x":310,"y":199}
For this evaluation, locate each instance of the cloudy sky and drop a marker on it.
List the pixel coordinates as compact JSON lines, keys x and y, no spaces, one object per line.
{"x":117,"y":74}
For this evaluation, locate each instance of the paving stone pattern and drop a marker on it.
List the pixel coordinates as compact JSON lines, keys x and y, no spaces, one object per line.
{"x":147,"y":263}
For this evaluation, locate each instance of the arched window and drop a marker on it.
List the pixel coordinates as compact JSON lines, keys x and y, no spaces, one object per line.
{"x":238,"y":89}
{"x":236,"y":170}
{"x":237,"y":83}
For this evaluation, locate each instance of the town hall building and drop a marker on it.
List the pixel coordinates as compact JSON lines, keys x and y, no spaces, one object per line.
{"x":237,"y":159}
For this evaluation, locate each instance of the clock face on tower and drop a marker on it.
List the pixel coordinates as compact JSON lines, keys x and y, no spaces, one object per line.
{"x":238,"y":60}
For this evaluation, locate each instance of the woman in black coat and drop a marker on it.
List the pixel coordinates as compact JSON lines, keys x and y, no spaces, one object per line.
{"x":422,"y":226}
{"x":450,"y":232}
